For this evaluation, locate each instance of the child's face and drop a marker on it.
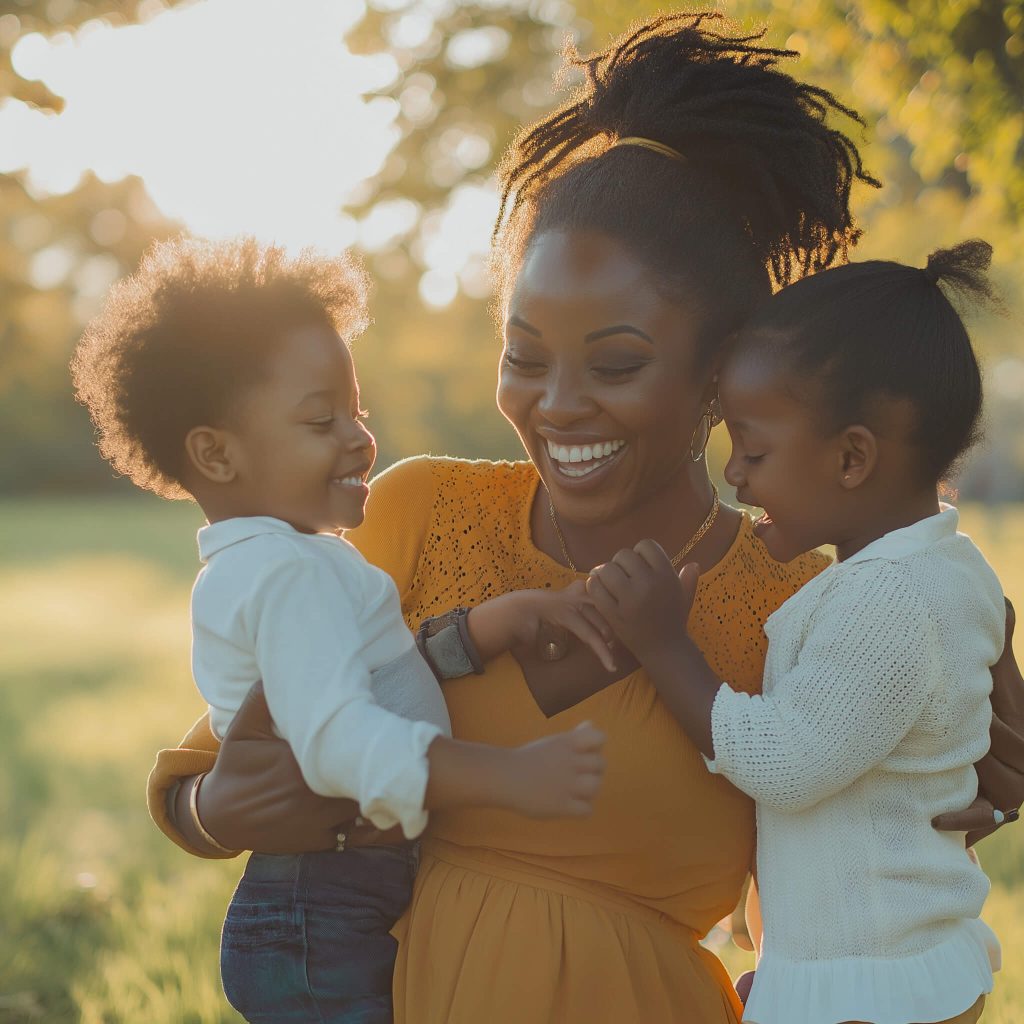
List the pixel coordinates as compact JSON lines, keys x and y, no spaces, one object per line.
{"x":780,"y":461}
{"x":302,"y":450}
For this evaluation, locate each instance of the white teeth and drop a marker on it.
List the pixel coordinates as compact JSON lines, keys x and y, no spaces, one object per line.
{"x":348,"y":481}
{"x":588,"y":453}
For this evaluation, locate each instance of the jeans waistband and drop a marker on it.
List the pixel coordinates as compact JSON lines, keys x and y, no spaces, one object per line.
{"x":370,"y":862}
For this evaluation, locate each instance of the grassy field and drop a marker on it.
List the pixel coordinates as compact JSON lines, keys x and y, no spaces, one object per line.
{"x":101,"y":920}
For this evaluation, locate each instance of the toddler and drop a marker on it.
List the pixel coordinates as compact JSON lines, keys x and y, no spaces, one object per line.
{"x":847,"y":398}
{"x":222,"y":372}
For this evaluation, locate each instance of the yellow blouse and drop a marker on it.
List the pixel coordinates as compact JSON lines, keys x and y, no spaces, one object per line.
{"x":579,"y":920}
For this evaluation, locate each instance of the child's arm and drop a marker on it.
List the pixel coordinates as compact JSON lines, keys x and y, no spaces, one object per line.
{"x":519,"y":618}
{"x":864,"y":674}
{"x":309,"y":651}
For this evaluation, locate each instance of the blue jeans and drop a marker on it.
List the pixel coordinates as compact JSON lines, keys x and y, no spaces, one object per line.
{"x":306,"y":937}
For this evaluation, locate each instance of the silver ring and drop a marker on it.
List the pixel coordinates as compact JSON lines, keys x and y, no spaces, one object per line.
{"x":339,"y":846}
{"x":998,"y":817}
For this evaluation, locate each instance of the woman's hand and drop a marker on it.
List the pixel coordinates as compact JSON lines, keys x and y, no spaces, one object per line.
{"x":255,"y":798}
{"x":1001,"y":770}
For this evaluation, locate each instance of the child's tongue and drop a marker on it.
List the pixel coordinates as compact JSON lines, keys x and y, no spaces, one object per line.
{"x":762,"y":524}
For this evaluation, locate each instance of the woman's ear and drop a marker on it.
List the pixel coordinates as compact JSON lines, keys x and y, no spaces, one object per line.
{"x":858,"y":455}
{"x":210,"y":453}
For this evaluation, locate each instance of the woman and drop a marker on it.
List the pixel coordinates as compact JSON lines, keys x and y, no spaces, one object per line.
{"x":645,"y":220}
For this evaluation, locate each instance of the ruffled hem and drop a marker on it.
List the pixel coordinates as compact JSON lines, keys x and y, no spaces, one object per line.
{"x":931,"y":986}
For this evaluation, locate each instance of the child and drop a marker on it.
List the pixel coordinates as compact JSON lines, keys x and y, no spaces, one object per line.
{"x":217,"y":372}
{"x":847,"y":398}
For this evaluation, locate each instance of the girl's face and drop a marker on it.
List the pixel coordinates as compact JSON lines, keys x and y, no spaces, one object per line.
{"x":301,"y":449}
{"x":597,"y":375}
{"x":780,"y":461}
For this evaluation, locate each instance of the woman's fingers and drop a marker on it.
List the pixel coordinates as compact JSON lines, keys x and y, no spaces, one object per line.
{"x":980,"y":815}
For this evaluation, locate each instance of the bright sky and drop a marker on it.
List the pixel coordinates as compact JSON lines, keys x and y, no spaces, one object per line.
{"x":241,"y":116}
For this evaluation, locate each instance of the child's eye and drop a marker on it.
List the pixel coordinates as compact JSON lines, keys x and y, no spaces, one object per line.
{"x":753,"y":458}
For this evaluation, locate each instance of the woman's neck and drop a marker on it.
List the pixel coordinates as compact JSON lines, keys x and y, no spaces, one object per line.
{"x":671,"y":516}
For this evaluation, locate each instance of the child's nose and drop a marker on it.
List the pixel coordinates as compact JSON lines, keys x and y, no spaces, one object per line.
{"x":359,"y":437}
{"x":733,"y":472}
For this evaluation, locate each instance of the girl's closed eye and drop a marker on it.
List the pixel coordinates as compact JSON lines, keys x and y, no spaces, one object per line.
{"x":753,"y":459}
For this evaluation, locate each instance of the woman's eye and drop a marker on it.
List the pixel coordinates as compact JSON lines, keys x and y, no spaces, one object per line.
{"x":324,"y":423}
{"x":616,"y":372}
{"x":523,"y":365}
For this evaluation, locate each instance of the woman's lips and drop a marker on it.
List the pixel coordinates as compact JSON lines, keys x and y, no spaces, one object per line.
{"x":574,"y":464}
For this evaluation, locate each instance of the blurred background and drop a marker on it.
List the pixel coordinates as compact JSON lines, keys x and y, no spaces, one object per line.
{"x":340,"y":123}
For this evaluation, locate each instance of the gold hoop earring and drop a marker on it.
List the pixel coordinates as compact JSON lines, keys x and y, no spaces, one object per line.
{"x":705,"y":424}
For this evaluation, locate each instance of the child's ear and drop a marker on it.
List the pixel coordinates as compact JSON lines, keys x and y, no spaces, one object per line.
{"x":209,"y":451}
{"x":858,"y":455}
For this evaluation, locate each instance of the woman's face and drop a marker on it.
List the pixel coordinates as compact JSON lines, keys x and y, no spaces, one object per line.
{"x":598,"y":375}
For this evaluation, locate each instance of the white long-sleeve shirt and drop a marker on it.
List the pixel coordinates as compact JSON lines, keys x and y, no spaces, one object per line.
{"x":323,"y":629}
{"x":874,"y":709}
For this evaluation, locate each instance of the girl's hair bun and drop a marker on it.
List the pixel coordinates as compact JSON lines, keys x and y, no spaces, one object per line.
{"x":963,"y":269}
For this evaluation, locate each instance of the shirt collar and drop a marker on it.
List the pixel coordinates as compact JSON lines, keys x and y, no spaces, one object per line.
{"x":908,"y":540}
{"x":215,"y":537}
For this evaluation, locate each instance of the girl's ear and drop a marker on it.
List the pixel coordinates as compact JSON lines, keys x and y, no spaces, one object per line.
{"x":210,"y":453}
{"x":858,"y":455}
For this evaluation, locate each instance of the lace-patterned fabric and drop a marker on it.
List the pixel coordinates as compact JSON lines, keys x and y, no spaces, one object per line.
{"x":601,"y":915}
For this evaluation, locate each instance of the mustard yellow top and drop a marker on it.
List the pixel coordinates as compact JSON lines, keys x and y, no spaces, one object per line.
{"x":573,"y":921}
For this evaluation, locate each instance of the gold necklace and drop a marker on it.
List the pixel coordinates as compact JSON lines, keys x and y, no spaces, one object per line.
{"x":687,"y":547}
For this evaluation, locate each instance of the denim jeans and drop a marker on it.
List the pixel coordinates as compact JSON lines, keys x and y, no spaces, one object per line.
{"x":306,"y":937}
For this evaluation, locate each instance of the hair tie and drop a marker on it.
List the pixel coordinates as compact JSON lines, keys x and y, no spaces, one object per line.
{"x":652,"y":144}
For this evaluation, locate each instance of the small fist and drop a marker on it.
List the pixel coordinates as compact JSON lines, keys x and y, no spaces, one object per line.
{"x":560,"y":776}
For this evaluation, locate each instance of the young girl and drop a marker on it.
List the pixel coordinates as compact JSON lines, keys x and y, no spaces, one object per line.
{"x":218,"y":372}
{"x":847,"y":399}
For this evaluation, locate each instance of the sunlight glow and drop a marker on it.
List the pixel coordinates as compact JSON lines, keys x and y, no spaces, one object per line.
{"x":239,"y":117}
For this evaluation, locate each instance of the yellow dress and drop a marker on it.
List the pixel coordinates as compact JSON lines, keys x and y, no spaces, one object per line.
{"x":515,"y":921}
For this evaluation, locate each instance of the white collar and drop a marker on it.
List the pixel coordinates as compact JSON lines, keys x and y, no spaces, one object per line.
{"x":908,"y":540}
{"x":215,"y":537}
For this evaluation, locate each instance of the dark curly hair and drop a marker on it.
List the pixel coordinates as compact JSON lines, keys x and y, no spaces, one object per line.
{"x":179,"y":340}
{"x":760,"y":196}
{"x":867,"y":330}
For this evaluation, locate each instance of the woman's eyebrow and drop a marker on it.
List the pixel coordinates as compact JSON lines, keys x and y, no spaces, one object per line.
{"x":515,"y":321}
{"x":605,"y":332}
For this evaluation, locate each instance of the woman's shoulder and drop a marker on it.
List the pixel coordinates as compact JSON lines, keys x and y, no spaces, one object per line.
{"x":748,"y":569}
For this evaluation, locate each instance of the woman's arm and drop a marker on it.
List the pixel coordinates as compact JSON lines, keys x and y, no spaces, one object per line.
{"x":1001,"y":770}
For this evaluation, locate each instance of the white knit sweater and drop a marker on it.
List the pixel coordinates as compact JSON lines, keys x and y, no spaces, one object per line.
{"x":875,"y":707}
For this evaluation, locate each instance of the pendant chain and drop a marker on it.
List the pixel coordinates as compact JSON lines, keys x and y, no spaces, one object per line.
{"x":687,"y":547}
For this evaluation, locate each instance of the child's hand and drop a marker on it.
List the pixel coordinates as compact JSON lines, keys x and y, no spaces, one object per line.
{"x":523,"y":617}
{"x":559,"y":776}
{"x":641,"y":597}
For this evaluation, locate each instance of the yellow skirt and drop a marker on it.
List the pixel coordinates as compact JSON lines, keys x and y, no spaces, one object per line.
{"x":488,"y":939}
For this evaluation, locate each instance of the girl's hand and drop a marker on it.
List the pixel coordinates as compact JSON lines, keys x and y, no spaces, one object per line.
{"x":642,"y":598}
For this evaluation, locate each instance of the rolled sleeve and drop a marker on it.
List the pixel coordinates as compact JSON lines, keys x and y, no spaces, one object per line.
{"x":318,"y":689}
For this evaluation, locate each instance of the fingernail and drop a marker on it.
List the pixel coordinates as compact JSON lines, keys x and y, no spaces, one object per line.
{"x":1011,"y":815}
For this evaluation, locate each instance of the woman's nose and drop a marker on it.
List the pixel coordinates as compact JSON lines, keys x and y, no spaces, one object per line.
{"x":564,"y":399}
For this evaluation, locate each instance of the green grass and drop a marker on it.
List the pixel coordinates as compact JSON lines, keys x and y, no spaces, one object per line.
{"x":103,"y":921}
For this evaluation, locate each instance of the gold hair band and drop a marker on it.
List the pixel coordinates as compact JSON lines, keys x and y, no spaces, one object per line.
{"x":651,"y":144}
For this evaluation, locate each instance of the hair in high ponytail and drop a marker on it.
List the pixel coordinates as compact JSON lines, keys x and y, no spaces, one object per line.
{"x":881,"y":329}
{"x":762,"y":192}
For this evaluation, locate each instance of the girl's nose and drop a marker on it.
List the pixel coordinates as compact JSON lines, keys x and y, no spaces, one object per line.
{"x":733,"y":472}
{"x":359,"y":437}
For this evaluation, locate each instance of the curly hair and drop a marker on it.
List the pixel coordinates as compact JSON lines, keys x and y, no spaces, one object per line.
{"x":880,"y":328}
{"x":179,"y":340}
{"x":760,"y":197}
